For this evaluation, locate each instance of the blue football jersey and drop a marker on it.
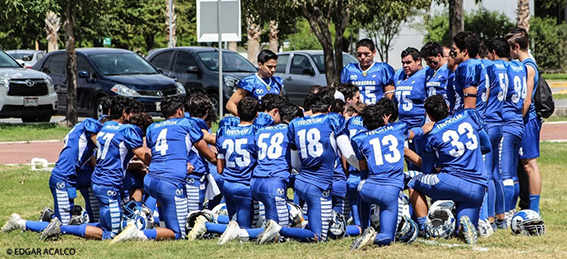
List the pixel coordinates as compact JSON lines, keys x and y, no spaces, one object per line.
{"x":235,"y":144}
{"x":229,"y":121}
{"x":77,"y":150}
{"x":383,"y":150}
{"x":512,"y":121}
{"x":532,"y":112}
{"x":497,"y":91}
{"x":263,"y":120}
{"x":453,"y":99}
{"x":258,"y":87}
{"x":371,"y":82}
{"x":471,"y":73}
{"x":456,"y":143}
{"x":354,"y":125}
{"x":200,"y":164}
{"x":171,"y":142}
{"x":274,"y":158}
{"x":115,"y":143}
{"x":437,"y":84}
{"x":410,"y":95}
{"x":315,"y":139}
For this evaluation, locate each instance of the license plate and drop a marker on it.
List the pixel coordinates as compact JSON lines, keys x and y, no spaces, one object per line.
{"x":158,"y":106}
{"x":31,"y":101}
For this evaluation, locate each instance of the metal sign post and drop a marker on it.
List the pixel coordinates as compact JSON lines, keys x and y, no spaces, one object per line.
{"x":211,"y":28}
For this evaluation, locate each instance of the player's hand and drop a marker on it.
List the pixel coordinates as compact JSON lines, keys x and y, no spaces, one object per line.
{"x":427,"y":127}
{"x":360,"y":184}
{"x":190,"y":168}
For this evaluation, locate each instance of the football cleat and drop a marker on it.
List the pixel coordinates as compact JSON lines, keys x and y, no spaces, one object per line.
{"x":501,"y":223}
{"x":468,"y":231}
{"x":198,"y":229}
{"x":230,"y":233}
{"x":52,"y":230}
{"x":366,"y":239}
{"x":485,"y":228}
{"x":270,"y":233}
{"x":15,"y":222}
{"x":131,"y":232}
{"x":46,"y":214}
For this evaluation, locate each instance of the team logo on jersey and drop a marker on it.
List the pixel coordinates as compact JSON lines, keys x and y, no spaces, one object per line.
{"x":326,"y":193}
{"x":280,"y":191}
{"x":521,"y":152}
{"x":190,"y":181}
{"x":61,"y":185}
{"x":178,"y":192}
{"x":259,"y":91}
{"x":353,"y":77}
{"x":111,"y":193}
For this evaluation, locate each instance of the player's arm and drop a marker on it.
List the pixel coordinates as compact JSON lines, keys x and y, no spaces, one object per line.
{"x":220,"y":165}
{"x":234,"y":100}
{"x":93,"y":138}
{"x":210,"y":138}
{"x":420,"y":131}
{"x":205,"y":151}
{"x":144,"y":154}
{"x":485,"y":145}
{"x":295,"y":162}
{"x":412,"y":156}
{"x":469,"y":96}
{"x":428,"y":163}
{"x":92,"y":161}
{"x":343,"y":142}
{"x":389,"y":91}
{"x":528,"y":100}
{"x":363,"y":169}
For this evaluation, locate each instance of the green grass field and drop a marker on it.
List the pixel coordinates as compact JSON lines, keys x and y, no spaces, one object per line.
{"x":27,"y":192}
{"x":31,"y":131}
{"x":555,"y":76}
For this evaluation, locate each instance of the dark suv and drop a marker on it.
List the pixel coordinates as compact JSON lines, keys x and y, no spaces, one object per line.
{"x":197,"y":67}
{"x":107,"y":72}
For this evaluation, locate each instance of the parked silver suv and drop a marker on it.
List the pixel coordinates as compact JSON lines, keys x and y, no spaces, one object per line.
{"x":25,"y":93}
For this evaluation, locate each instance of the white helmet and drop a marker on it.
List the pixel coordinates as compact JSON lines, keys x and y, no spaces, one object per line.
{"x":407,"y":230}
{"x":440,"y":221}
{"x":337,"y":226}
{"x":220,"y":209}
{"x":296,"y":219}
{"x":527,"y":222}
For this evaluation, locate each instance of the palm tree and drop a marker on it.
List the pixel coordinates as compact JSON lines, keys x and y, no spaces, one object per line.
{"x":524,"y":14}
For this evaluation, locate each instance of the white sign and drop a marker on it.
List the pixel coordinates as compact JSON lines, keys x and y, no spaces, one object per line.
{"x":208,"y":19}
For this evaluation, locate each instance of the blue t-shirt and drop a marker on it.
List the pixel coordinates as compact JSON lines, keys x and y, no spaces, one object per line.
{"x":274,"y":159}
{"x":437,"y":84}
{"x":512,"y":121}
{"x":410,"y":95}
{"x":115,"y":142}
{"x":470,"y":73}
{"x":171,"y":142}
{"x":383,"y":150}
{"x":77,"y":150}
{"x":235,"y":144}
{"x":532,"y":112}
{"x":315,"y":138}
{"x":456,"y":143}
{"x":371,"y":82}
{"x":498,"y":87}
{"x":258,"y":87}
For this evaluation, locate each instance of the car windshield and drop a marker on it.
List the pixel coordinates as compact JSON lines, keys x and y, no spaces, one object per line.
{"x":7,"y":62}
{"x":112,"y":64}
{"x":320,"y":61}
{"x":232,"y":62}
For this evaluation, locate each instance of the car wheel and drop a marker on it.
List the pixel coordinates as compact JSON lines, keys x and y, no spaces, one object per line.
{"x":214,"y":100}
{"x":97,"y":107}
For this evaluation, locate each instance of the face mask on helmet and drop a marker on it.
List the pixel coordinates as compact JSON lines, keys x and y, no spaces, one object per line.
{"x":296,"y":219}
{"x":440,"y":221}
{"x":527,"y":222}
{"x":337,"y":226}
{"x":79,"y":216}
{"x":407,"y":230}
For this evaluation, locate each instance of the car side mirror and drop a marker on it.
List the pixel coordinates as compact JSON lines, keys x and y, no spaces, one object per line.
{"x":192,"y":69}
{"x":309,"y":71}
{"x":84,"y":74}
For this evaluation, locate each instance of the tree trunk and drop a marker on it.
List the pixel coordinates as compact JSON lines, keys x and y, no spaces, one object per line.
{"x":233,"y":45}
{"x":456,"y":23}
{"x":173,"y":41}
{"x":52,"y":26}
{"x":254,"y":32}
{"x":341,"y":17}
{"x":524,"y":14}
{"x":320,"y":27}
{"x":274,"y":43}
{"x":71,"y":64}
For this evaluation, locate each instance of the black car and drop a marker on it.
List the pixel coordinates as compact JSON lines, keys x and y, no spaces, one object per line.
{"x":108,"y":72}
{"x":197,"y":67}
